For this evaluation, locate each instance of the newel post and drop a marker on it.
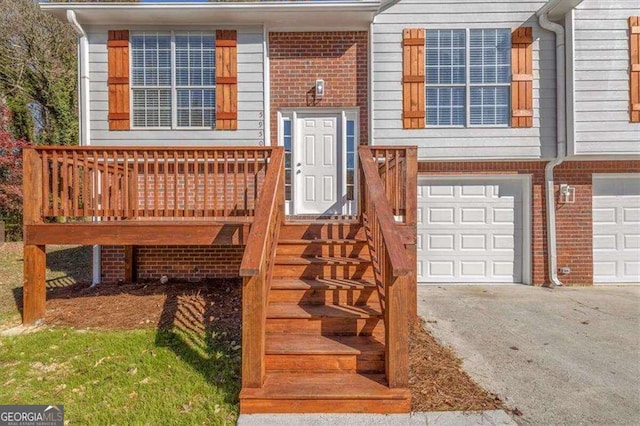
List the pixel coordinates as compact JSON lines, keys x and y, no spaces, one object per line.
{"x":34,"y":277}
{"x":411,"y":217}
{"x":253,"y":330}
{"x":397,"y":331}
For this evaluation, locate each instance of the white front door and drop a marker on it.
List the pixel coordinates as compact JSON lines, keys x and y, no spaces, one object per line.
{"x":316,"y":165}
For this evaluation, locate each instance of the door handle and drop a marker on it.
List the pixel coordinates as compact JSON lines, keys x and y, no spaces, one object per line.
{"x":299,"y":164}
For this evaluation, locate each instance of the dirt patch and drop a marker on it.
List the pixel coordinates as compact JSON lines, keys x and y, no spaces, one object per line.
{"x":437,"y":380}
{"x":191,"y":307}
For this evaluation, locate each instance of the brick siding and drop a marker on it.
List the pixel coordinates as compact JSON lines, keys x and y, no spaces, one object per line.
{"x":188,"y":263}
{"x":574,"y":224}
{"x":297,"y":60}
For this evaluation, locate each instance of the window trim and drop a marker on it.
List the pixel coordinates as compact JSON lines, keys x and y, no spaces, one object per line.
{"x":467,"y":86}
{"x":173,"y":87}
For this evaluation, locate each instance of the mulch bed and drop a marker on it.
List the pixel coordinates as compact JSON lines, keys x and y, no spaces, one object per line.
{"x":436,"y":378}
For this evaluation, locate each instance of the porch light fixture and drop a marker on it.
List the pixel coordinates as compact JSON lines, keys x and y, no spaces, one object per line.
{"x":319,"y":89}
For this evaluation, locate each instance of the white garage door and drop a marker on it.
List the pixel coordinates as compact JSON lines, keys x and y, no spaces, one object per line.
{"x":471,"y":230}
{"x":616,"y":228}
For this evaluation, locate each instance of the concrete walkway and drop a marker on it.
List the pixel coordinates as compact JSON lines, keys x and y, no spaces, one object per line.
{"x":568,"y":356}
{"x":448,"y":418}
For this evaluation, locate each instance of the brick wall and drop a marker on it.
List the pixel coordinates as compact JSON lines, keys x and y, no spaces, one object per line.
{"x":297,"y":60}
{"x":190,"y":263}
{"x":574,"y":225}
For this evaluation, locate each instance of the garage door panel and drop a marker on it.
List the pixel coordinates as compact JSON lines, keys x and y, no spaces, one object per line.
{"x":631,"y":242}
{"x":441,"y":242}
{"x":605,"y":242}
{"x":616,"y":228}
{"x":473,"y":216}
{"x":472,"y":230}
{"x":631,"y":215}
{"x":503,"y":215}
{"x":604,"y":215}
{"x":632,"y":268}
{"x":440,"y":216}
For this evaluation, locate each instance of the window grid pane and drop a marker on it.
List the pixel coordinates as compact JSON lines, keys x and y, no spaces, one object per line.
{"x":151,"y":107}
{"x":152,"y":65}
{"x":195,"y":79}
{"x":489,"y":66}
{"x":487,"y":54}
{"x":446,"y":106}
{"x":150,"y":75}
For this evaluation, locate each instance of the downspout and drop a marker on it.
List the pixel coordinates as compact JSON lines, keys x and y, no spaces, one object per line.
{"x":561,"y":152}
{"x":85,"y":121}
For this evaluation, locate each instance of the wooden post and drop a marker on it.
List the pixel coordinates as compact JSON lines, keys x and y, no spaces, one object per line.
{"x":35,"y":258}
{"x":130,"y":266}
{"x":411,"y":211}
{"x":34,"y":285}
{"x":397,"y":331}
{"x":253,"y":330}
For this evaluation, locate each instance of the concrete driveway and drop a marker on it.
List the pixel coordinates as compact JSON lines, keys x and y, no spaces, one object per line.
{"x":568,"y":356}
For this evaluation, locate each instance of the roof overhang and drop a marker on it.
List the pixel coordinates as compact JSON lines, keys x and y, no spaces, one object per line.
{"x":284,"y":14}
{"x":557,"y":9}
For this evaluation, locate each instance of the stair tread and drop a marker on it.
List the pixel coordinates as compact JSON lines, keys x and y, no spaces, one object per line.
{"x":290,"y":310}
{"x":323,"y":241}
{"x":303,"y":344}
{"x":319,"y":284}
{"x":323,"y":386}
{"x":324,"y":260}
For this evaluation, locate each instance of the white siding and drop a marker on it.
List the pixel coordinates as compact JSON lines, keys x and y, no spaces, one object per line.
{"x":469,"y":143}
{"x":250,"y":99}
{"x":601,"y":75}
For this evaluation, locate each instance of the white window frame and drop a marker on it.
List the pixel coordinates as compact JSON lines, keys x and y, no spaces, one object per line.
{"x":467,"y":85}
{"x":174,"y":88}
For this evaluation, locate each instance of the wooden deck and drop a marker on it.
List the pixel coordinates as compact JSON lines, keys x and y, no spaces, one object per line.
{"x":326,"y":305}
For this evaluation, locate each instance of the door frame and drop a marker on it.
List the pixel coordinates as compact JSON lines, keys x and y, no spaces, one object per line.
{"x":345,"y":114}
{"x":526,"y":185}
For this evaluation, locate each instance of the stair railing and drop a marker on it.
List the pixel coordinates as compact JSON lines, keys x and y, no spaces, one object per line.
{"x":256,"y":268}
{"x":390,"y":243}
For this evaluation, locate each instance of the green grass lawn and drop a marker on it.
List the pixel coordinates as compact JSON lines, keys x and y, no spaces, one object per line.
{"x":122,"y":377}
{"x":141,"y":376}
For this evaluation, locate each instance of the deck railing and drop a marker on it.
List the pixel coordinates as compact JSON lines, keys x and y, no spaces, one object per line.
{"x":388,"y":182}
{"x":395,"y":166}
{"x":122,"y":183}
{"x":256,"y":268}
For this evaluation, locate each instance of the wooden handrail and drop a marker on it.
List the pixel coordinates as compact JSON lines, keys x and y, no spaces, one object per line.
{"x":400,"y":262}
{"x":256,"y":268}
{"x":151,"y":148}
{"x":256,"y":248}
{"x":387,"y":173}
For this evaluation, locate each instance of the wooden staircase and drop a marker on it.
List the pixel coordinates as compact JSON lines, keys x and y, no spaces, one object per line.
{"x":326,"y":306}
{"x":325,"y":334}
